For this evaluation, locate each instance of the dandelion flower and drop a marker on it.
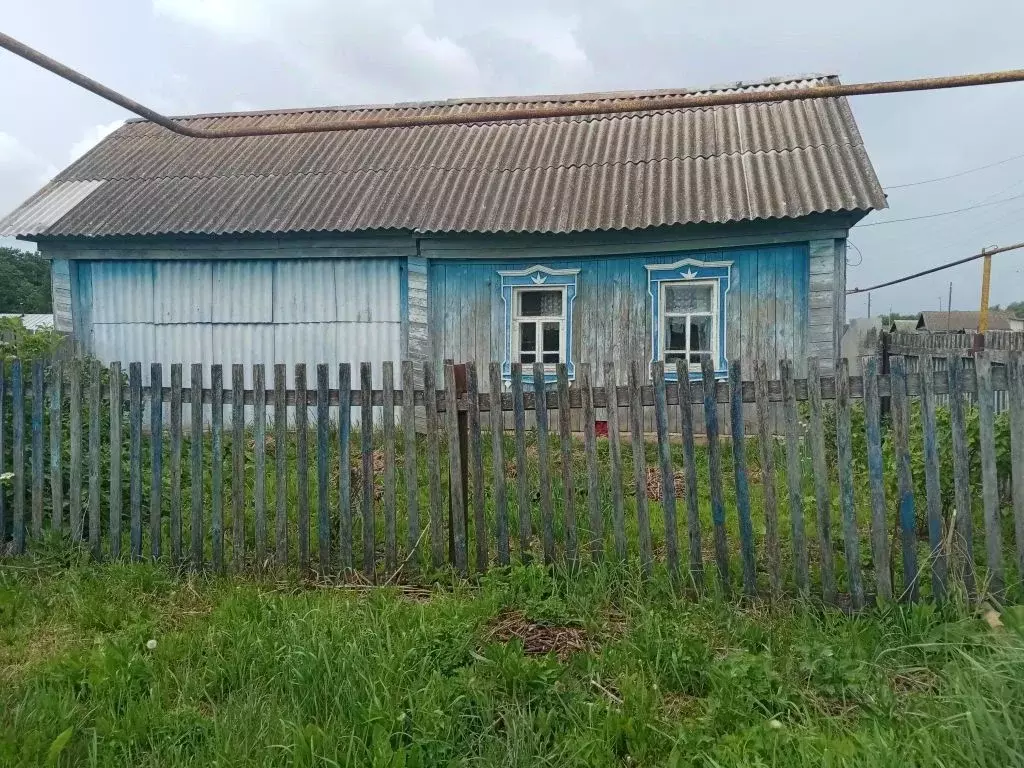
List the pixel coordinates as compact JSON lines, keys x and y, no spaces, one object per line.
{"x":151,"y":645}
{"x":774,"y":724}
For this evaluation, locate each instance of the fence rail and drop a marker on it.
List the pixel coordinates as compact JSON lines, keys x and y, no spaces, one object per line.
{"x":123,"y":466}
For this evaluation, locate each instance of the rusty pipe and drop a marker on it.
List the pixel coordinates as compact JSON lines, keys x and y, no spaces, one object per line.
{"x":691,"y":100}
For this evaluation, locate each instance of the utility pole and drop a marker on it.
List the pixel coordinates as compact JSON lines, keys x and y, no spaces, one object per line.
{"x":986,"y":279}
{"x":949,"y":303}
{"x":869,"y":305}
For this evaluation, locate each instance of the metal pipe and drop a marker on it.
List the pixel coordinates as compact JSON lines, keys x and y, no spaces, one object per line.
{"x":576,"y":109}
{"x":985,"y":252}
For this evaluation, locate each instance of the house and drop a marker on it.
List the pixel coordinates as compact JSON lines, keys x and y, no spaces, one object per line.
{"x":609,"y":238}
{"x":904,"y":326}
{"x":962,"y":322}
{"x":30,"y":322}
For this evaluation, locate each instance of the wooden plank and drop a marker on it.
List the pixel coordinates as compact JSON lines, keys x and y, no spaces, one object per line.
{"x":237,"y":465}
{"x":75,"y":447}
{"x":989,"y":478}
{"x":156,"y":457}
{"x":457,"y":493}
{"x":739,"y":455}
{"x":37,"y":449}
{"x":18,"y":457}
{"x":476,"y":454}
{"x":410,"y":461}
{"x":933,"y":485}
{"x":175,"y":511}
{"x":323,"y":469}
{"x":636,"y":428}
{"x":615,"y":455}
{"x":794,"y":478}
{"x":388,"y":426}
{"x":1015,"y":378}
{"x":433,"y":467}
{"x":280,"y":465}
{"x":544,"y":463}
{"x":844,"y":455}
{"x":366,"y":450}
{"x":345,"y":542}
{"x":522,"y":487}
{"x":668,"y":480}
{"x":715,"y":474}
{"x":565,"y":446}
{"x":217,"y":463}
{"x":302,"y":464}
{"x":135,"y":460}
{"x":690,"y":474}
{"x":766,"y":443}
{"x":595,"y":521}
{"x":905,"y":479}
{"x":962,"y":521}
{"x":196,"y":456}
{"x":95,"y":542}
{"x":873,"y":433}
{"x":822,"y":494}
{"x":56,"y":444}
{"x":259,"y":457}
{"x":498,"y":462}
{"x":3,"y":446}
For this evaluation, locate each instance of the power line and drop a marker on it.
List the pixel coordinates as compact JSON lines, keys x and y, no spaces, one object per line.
{"x":955,"y":175}
{"x":943,"y":213}
{"x":958,"y":262}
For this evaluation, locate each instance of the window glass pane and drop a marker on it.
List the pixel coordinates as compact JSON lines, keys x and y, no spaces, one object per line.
{"x":700,"y":333}
{"x":695,"y":357}
{"x":675,"y":333}
{"x":687,"y":298}
{"x":672,"y":357}
{"x":552,"y":337}
{"x":528,"y":337}
{"x":540,"y":303}
{"x":551,"y":357}
{"x":527,"y":358}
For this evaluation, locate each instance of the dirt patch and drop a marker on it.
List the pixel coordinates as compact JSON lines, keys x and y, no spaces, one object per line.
{"x":654,"y":489}
{"x":539,"y":639}
{"x":916,"y":680}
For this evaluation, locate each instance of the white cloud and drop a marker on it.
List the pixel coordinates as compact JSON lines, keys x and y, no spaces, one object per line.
{"x":14,"y":154}
{"x":91,"y":138}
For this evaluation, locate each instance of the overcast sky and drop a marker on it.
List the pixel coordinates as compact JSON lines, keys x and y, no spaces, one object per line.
{"x":182,"y":56}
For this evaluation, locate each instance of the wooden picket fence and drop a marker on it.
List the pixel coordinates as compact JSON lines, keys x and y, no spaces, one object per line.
{"x":516,"y":493}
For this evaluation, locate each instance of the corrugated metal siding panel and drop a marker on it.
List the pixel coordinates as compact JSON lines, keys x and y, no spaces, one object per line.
{"x":184,"y":343}
{"x":122,"y":292}
{"x":182,"y":291}
{"x":245,"y":343}
{"x":367,"y":290}
{"x":60,"y":291}
{"x":304,"y":291}
{"x":126,"y":343}
{"x":243,"y":291}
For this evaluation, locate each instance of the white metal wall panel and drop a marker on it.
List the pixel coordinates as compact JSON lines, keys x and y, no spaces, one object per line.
{"x":127,"y":343}
{"x":122,"y":292}
{"x":367,"y":290}
{"x":243,"y":291}
{"x":245,"y":343}
{"x":304,"y":291}
{"x":182,"y":291}
{"x":184,"y":343}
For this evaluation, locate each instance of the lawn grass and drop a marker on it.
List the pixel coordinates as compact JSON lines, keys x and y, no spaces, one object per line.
{"x":254,"y":671}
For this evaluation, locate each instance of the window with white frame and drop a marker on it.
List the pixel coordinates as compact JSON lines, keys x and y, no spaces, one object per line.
{"x":538,"y":325}
{"x":689,"y":322}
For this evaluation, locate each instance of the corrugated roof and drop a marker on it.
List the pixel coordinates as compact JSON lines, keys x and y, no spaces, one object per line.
{"x":573,"y":174}
{"x":31,"y":322}
{"x":963,"y":321}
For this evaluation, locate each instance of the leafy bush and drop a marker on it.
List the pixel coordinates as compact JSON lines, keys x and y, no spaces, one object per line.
{"x":16,"y":341}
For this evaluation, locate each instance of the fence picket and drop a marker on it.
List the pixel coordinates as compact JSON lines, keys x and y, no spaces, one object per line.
{"x":75,"y":448}
{"x":388,"y":426}
{"x":668,"y":480}
{"x":766,"y":443}
{"x":690,"y":474}
{"x":989,"y":478}
{"x":457,"y":492}
{"x":217,"y":462}
{"x":636,"y":429}
{"x":259,"y":458}
{"x":794,"y":478}
{"x":595,"y":521}
{"x":37,"y":449}
{"x":822,"y":494}
{"x":1015,"y":384}
{"x":498,"y":463}
{"x":280,"y":464}
{"x":540,"y":394}
{"x":715,"y":473}
{"x":196,"y":455}
{"x":844,"y":458}
{"x":565,"y":446}
{"x":175,"y":511}
{"x":95,"y":542}
{"x":3,"y":446}
{"x":237,"y":465}
{"x":933,"y":486}
{"x":156,"y":456}
{"x":476,"y":454}
{"x":323,"y":469}
{"x":345,"y":534}
{"x":367,"y":479}
{"x":905,"y":479}
{"x":873,"y":435}
{"x":433,"y":467}
{"x":410,"y":460}
{"x":18,"y":456}
{"x":56,"y":445}
{"x":522,"y":488}
{"x":739,"y":455}
{"x":615,"y":454}
{"x":135,"y":459}
{"x":302,"y":463}
{"x":962,"y":520}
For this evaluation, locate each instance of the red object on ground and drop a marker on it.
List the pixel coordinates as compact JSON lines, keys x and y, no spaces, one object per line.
{"x":601,"y":428}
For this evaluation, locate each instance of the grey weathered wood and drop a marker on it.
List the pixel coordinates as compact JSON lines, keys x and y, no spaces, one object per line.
{"x":366,"y":450}
{"x":457,"y":491}
{"x":1015,"y":377}
{"x":37,"y":448}
{"x":873,"y":432}
{"x":905,"y":479}
{"x":56,"y":444}
{"x":433,"y":467}
{"x":668,"y":484}
{"x":498,"y":463}
{"x":989,"y":478}
{"x":323,"y":469}
{"x":595,"y":524}
{"x":715,"y":474}
{"x":217,"y":471}
{"x":636,"y":429}
{"x":544,"y":463}
{"x":135,"y":459}
{"x":476,"y":455}
{"x":196,"y":456}
{"x":615,"y":456}
{"x":116,"y":443}
{"x":237,"y":465}
{"x":3,"y":446}
{"x":822,"y":494}
{"x":522,"y":486}
{"x":156,"y":457}
{"x":18,"y":456}
{"x":302,"y":464}
{"x":75,"y":448}
{"x":410,"y":461}
{"x":281,"y":464}
{"x":388,"y":426}
{"x":739,"y":455}
{"x":690,"y":475}
{"x":766,"y":443}
{"x":174,"y":527}
{"x":259,"y":457}
{"x":565,"y":446}
{"x":345,"y":466}
{"x":844,"y":456}
{"x":933,"y":485}
{"x":95,"y":543}
{"x":794,"y":478}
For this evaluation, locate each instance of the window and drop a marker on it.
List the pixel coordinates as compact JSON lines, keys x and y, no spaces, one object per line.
{"x":538,"y":319}
{"x":688,"y":317}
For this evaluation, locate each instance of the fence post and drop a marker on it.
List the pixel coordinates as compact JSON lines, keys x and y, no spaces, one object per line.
{"x":458,"y":482}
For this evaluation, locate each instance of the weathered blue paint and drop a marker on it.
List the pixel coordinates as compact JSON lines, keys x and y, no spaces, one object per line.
{"x":739,"y":454}
{"x":876,"y":480}
{"x":908,"y":528}
{"x":715,"y":474}
{"x":540,"y":277}
{"x":844,"y":455}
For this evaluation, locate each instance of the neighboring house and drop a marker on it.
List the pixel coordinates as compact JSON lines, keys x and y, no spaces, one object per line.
{"x":610,"y":238}
{"x":860,"y":340}
{"x":903,"y":326}
{"x":31,"y":322}
{"x":962,"y":322}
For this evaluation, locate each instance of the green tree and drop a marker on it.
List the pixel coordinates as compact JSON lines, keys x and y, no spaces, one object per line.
{"x":24,"y":282}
